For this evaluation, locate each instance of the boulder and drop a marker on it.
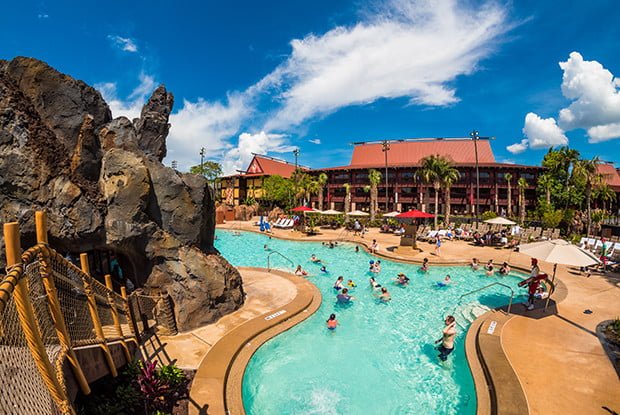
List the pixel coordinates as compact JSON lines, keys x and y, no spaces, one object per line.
{"x":245,"y":212}
{"x":103,"y":185}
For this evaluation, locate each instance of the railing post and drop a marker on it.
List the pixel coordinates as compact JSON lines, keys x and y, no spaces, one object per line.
{"x":92,"y":308}
{"x":130,"y":317}
{"x":29,"y":324}
{"x":117,"y":321}
{"x":54,"y":304}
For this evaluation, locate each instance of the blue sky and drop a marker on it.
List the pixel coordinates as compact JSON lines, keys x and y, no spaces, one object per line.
{"x":274,"y":75}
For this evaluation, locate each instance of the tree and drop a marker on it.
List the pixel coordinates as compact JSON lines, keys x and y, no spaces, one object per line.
{"x":449,"y":177}
{"x":432,"y":170}
{"x":211,"y":170}
{"x":277,"y":190}
{"x":322,"y":181}
{"x":587,"y":170}
{"x":545,"y":183}
{"x":347,"y":197}
{"x":374,"y":176}
{"x":508,"y":178}
{"x":605,"y":194}
{"x":521,"y":185}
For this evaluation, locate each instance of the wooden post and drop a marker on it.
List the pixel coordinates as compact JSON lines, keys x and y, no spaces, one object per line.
{"x":131,"y":319}
{"x":29,"y":324}
{"x":117,"y":321}
{"x":92,"y":307}
{"x":54,"y":304}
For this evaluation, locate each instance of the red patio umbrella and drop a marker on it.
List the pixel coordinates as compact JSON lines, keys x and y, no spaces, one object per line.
{"x":303,"y":209}
{"x":414,"y":214}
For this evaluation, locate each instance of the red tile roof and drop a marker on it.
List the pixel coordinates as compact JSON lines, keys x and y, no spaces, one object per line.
{"x":261,"y":166}
{"x":409,"y":153}
{"x":611,"y":175}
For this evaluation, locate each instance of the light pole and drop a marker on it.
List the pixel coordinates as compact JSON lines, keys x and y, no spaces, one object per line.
{"x":296,"y":154}
{"x":385,"y":147}
{"x":174,"y":164}
{"x":202,"y":160}
{"x":474,"y":136}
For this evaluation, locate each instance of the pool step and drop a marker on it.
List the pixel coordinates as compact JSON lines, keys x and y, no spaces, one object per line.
{"x":467,"y":313}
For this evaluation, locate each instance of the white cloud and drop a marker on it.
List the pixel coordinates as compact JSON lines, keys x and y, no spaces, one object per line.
{"x":541,"y":133}
{"x":595,"y":95}
{"x":315,"y":141}
{"x":124,"y":43}
{"x":132,"y":105}
{"x":240,"y":156}
{"x":411,"y":49}
{"x":518,"y":147}
{"x":204,"y":124}
{"x":43,"y":16}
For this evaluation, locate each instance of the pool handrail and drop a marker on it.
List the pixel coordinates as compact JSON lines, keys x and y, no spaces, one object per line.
{"x":279,"y":253}
{"x":512,"y":293}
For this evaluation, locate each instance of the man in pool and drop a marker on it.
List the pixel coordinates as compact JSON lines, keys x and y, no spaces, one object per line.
{"x":314,"y":259}
{"x":447,"y":340}
{"x":384,"y":296}
{"x":344,"y":296}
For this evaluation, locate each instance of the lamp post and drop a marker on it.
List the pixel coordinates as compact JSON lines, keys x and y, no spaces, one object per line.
{"x":296,"y":154}
{"x":385,"y":147}
{"x":202,"y":160}
{"x":474,"y":136}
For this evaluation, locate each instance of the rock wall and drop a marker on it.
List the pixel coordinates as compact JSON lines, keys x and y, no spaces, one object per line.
{"x":103,"y":186}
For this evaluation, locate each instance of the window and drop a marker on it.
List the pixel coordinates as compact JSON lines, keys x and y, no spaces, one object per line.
{"x":407,"y":191}
{"x":485,"y":193}
{"x":359,"y":192}
{"x":339,"y":191}
{"x":341,"y":177}
{"x":407,"y":176}
{"x":529,"y":177}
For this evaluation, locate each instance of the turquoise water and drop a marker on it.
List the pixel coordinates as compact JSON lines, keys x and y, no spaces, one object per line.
{"x":381,"y":358}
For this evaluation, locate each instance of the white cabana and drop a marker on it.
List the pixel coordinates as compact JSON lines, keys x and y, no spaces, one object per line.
{"x":391,"y":214}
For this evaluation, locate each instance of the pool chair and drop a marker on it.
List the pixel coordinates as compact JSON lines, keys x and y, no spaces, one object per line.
{"x":286,"y":224}
{"x":278,"y":222}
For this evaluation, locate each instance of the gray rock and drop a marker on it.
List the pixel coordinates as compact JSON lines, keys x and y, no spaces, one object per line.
{"x":152,"y":126}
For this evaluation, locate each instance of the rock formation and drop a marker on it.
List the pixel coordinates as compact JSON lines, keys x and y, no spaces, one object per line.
{"x":104,"y":187}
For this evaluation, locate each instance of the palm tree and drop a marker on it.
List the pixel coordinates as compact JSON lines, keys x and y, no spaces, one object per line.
{"x":605,"y":194}
{"x":545,"y":182}
{"x":374,"y":176}
{"x":449,"y":177}
{"x":322,"y":181}
{"x":587,"y":171}
{"x":432,"y":171}
{"x":347,"y":197}
{"x":312,"y":187}
{"x":521,"y":184}
{"x":508,"y":178}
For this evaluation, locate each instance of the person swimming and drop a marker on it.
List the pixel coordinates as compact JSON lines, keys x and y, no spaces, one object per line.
{"x":351,"y":284}
{"x":314,"y":259}
{"x":401,"y":279}
{"x":474,"y":264}
{"x":489,"y":267}
{"x":446,"y":281}
{"x":357,"y":248}
{"x":424,"y":267}
{"x":505,"y":269}
{"x":384,"y":296}
{"x":323,"y":269}
{"x":344,"y":297}
{"x":300,"y":271}
{"x":338,"y":283}
{"x":374,"y":284}
{"x":332,"y":323}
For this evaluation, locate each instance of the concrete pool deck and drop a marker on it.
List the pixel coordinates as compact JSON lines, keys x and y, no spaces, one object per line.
{"x":556,"y":355}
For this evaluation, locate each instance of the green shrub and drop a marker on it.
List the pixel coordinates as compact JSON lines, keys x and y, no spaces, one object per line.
{"x":489,"y":214}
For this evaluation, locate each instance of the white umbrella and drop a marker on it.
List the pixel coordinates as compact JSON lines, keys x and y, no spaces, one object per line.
{"x":500,"y":221}
{"x":558,"y":251}
{"x":357,"y":213}
{"x":391,"y":214}
{"x":330,"y":212}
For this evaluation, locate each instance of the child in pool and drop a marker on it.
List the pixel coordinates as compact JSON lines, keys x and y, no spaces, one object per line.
{"x":446,"y":281}
{"x":338,"y":283}
{"x":402,"y":279}
{"x":424,"y":267}
{"x":300,"y":271}
{"x":332,"y":323}
{"x":323,"y":269}
{"x":505,"y":269}
{"x":314,"y":259}
{"x":351,"y":284}
{"x":374,"y":284}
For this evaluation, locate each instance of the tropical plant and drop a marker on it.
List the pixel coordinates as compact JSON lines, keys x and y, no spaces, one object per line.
{"x":521,"y":185}
{"x":277,"y":190}
{"x":604,"y":193}
{"x":587,"y":171}
{"x":508,"y":178}
{"x":449,"y":177}
{"x":211,"y":170}
{"x":161,"y":389}
{"x":431,"y":171}
{"x":347,"y":197}
{"x":552,"y":218}
{"x":374,"y":176}
{"x":489,"y":214}
{"x":322,"y":181}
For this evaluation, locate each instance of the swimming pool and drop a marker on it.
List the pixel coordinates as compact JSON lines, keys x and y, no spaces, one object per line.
{"x":381,"y":358}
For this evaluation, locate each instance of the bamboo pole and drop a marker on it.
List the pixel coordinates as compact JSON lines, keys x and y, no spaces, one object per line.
{"x":117,"y":321}
{"x":29,"y":324}
{"x":54,"y":304}
{"x":92,"y":307}
{"x":130,"y":319}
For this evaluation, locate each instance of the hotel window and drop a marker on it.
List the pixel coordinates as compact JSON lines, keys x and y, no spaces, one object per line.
{"x":360,"y":192}
{"x":485,"y":193}
{"x":458,"y":192}
{"x":339,"y":191}
{"x":341,"y":177}
{"x":485,"y":177}
{"x":407,"y":191}
{"x":361,"y":177}
{"x":531,"y":178}
{"x":407,"y":176}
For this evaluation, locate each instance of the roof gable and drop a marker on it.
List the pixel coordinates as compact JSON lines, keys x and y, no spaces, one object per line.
{"x":260,"y":166}
{"x":411,"y":152}
{"x":610,"y":174}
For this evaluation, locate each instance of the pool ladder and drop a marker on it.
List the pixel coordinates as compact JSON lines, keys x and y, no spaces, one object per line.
{"x":283,"y":256}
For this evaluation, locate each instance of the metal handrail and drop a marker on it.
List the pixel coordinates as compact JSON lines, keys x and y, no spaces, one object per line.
{"x":279,"y":253}
{"x":512,"y":293}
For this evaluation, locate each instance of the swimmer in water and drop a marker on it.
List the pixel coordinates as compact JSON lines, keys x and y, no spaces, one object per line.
{"x":357,"y":248}
{"x":314,"y":259}
{"x":489,"y":267}
{"x":505,"y":269}
{"x":323,"y":269}
{"x":424,"y":267}
{"x":332,"y":323}
{"x":384,"y":296}
{"x":402,"y":279}
{"x":338,"y":283}
{"x":351,"y":284}
{"x":300,"y":272}
{"x":374,"y":284}
{"x":265,"y":247}
{"x":446,"y":281}
{"x":344,"y":296}
{"x":474,"y":264}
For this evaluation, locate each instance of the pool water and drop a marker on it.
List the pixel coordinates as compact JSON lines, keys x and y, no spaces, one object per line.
{"x":381,"y":359}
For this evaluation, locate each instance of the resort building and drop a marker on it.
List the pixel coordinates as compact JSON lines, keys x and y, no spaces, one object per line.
{"x":401,"y":159}
{"x":248,"y":184}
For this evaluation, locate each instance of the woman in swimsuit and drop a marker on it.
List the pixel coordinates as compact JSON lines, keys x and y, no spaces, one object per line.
{"x":300,"y":272}
{"x":332,"y":323}
{"x":338,"y":283}
{"x":424,"y":267}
